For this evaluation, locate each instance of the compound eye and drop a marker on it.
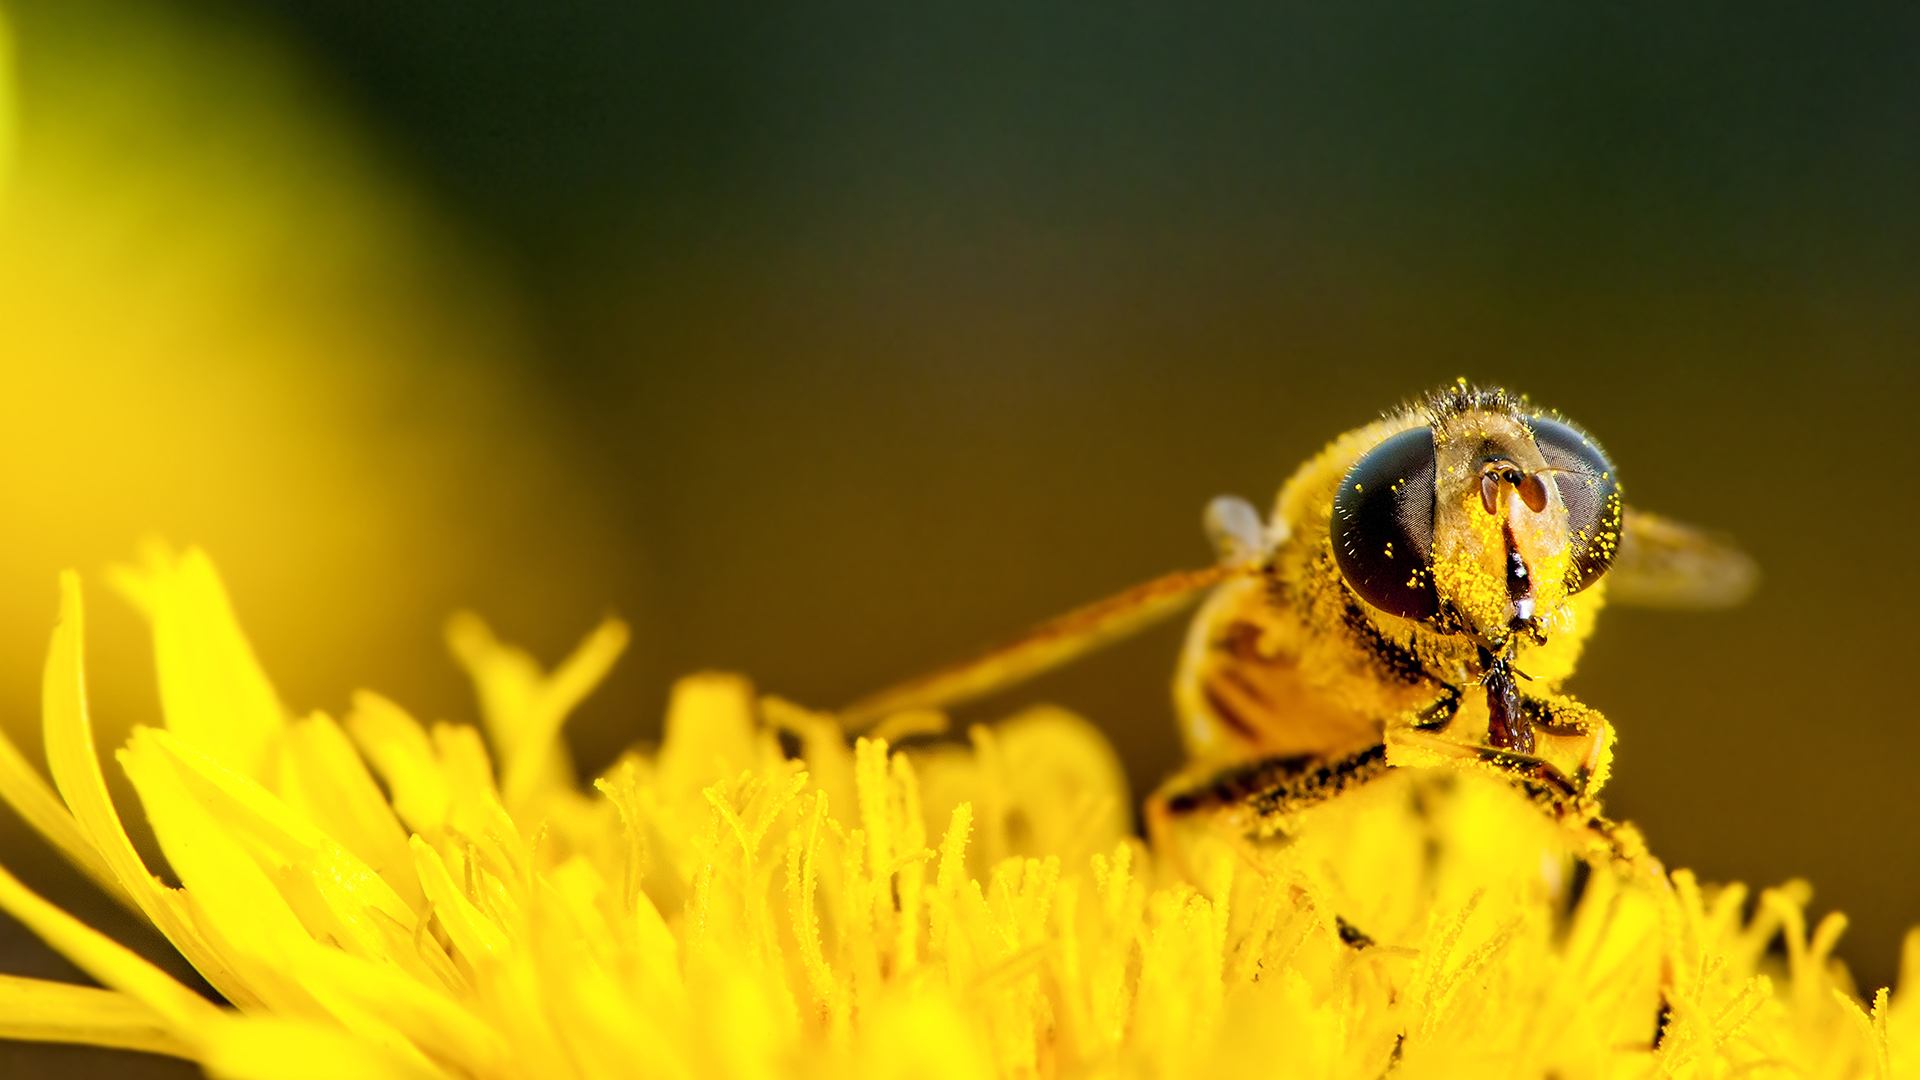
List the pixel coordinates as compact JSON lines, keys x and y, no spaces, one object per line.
{"x":1383,"y":525}
{"x":1591,"y":493}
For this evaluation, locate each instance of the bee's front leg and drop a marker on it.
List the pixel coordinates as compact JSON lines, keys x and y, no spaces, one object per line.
{"x":1563,"y":717}
{"x":1562,"y":776}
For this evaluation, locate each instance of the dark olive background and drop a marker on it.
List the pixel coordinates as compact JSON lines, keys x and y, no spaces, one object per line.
{"x":880,"y":330}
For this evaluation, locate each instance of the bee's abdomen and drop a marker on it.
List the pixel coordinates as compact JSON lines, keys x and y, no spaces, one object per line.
{"x":1256,"y":681}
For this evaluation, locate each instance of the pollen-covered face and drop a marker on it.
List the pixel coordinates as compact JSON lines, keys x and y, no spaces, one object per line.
{"x":1482,"y":521}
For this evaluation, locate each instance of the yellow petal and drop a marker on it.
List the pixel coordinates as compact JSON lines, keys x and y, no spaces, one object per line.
{"x":271,"y":831}
{"x":926,"y":1038}
{"x":300,"y":878}
{"x":506,"y":678}
{"x":214,"y":869}
{"x":709,"y":734}
{"x":237,"y":906}
{"x":1043,"y":782}
{"x":41,"y":1011}
{"x":468,"y":769}
{"x":76,"y":771}
{"x":429,"y":1019}
{"x":211,"y":687}
{"x":823,"y":746}
{"x":323,"y":777}
{"x":472,"y":932}
{"x":523,"y":706}
{"x":399,"y":750}
{"x":184,"y":1011}
{"x":475,"y":812}
{"x":274,"y":1048}
{"x":31,"y":797}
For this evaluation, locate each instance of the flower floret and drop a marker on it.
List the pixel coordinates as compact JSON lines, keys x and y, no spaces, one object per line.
{"x":757,"y":897}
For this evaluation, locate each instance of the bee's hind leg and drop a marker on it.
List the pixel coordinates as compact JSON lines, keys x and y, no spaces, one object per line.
{"x":1255,"y":801}
{"x":1274,"y":785}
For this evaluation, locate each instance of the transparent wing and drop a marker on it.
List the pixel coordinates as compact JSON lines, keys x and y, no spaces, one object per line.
{"x":1047,"y":646}
{"x":1664,"y":564}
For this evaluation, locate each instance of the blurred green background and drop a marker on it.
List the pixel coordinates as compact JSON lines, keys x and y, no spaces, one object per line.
{"x":827,"y":342}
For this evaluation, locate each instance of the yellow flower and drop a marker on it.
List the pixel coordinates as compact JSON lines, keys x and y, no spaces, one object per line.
{"x":384,"y":899}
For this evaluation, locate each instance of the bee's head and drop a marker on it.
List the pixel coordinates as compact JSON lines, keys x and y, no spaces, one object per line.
{"x":1484,"y":519}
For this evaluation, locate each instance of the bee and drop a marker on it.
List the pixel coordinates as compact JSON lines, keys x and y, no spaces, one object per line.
{"x":1421,"y":590}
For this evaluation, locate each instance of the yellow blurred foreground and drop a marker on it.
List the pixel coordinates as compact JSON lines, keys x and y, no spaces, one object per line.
{"x":222,"y":317}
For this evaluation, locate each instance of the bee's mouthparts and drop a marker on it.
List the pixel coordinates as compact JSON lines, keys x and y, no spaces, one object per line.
{"x":1519,"y":587}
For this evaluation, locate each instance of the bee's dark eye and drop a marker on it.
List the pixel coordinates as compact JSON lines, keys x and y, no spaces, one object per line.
{"x":1591,"y":493}
{"x":1383,"y":525}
